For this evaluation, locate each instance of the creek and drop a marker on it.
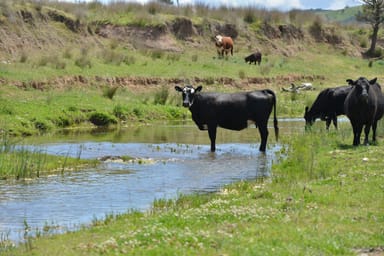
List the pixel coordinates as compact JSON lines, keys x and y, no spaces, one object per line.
{"x":171,"y":159}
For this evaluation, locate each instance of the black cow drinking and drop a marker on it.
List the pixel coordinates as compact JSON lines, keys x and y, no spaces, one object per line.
{"x":254,"y":57}
{"x":364,"y":106}
{"x":230,"y":111}
{"x":328,"y":105}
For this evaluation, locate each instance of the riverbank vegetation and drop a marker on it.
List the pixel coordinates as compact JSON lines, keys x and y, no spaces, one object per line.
{"x":324,"y":197}
{"x":23,"y":162}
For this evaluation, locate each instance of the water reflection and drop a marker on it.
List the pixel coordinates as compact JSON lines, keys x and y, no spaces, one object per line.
{"x":70,"y":200}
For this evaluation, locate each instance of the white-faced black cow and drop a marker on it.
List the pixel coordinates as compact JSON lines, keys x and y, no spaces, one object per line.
{"x":230,"y":111}
{"x":328,"y":105}
{"x":254,"y":57}
{"x":364,"y":106}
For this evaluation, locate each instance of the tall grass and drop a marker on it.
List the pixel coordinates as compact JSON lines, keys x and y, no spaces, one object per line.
{"x":18,"y":161}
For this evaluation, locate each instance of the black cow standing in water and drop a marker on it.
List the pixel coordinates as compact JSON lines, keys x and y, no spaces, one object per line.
{"x":364,"y":106}
{"x":328,"y":105}
{"x":230,"y":111}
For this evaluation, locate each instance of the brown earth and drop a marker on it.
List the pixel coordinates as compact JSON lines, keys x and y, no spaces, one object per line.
{"x":143,"y":83}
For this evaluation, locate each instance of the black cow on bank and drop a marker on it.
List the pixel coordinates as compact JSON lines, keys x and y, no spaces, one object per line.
{"x":254,"y":57}
{"x":328,"y":105}
{"x":230,"y":111}
{"x":364,"y":106}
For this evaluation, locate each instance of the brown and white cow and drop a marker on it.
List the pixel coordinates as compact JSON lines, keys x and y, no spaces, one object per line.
{"x":223,"y":44}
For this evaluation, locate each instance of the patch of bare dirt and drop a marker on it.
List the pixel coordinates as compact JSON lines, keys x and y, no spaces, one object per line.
{"x":145,"y":83}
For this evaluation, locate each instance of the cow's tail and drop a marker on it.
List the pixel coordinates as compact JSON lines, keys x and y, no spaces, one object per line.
{"x":275,"y":123}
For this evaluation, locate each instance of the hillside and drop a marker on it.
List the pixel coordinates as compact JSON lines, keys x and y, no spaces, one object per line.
{"x":344,"y":16}
{"x":31,"y":29}
{"x":44,"y":44}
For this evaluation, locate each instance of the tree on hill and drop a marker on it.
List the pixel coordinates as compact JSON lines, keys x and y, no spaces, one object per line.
{"x":373,"y":14}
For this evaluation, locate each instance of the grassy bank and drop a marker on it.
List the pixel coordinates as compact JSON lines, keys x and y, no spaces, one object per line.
{"x":20,"y":162}
{"x":325,"y":198}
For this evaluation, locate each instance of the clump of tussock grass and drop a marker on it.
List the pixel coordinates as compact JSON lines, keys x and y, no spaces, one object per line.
{"x":110,"y":92}
{"x":112,"y":57}
{"x":52,"y":60}
{"x":241,"y":74}
{"x":102,"y":119}
{"x":83,"y":60}
{"x":121,"y":112}
{"x":161,"y":96}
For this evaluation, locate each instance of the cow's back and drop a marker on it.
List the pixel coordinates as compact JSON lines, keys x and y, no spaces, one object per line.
{"x":337,"y":97}
{"x":232,"y":111}
{"x":380,"y":102}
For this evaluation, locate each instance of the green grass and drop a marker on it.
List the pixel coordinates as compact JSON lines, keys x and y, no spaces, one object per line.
{"x":324,"y":198}
{"x":20,"y":162}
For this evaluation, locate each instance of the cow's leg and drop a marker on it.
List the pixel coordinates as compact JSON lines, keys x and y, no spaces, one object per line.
{"x":357,"y":128}
{"x":374,"y":126}
{"x":366,"y":132}
{"x":263,"y":130}
{"x":212,"y":136}
{"x":327,"y":123}
{"x":334,"y":119}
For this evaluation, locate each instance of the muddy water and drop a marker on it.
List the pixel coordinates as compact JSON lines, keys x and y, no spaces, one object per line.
{"x":175,"y":159}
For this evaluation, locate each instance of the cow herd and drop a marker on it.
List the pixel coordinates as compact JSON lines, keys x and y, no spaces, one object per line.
{"x":362,"y":101}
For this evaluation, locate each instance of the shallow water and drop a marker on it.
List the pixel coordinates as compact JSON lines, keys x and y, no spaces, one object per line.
{"x":176,"y":160}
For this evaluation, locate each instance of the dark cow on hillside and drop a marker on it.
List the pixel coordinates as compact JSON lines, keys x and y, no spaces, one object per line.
{"x":254,"y":57}
{"x":328,"y":105}
{"x":230,"y":111}
{"x":364,"y":106}
{"x":223,"y":44}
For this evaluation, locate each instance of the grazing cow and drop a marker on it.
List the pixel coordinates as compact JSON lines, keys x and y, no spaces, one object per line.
{"x":364,"y":106}
{"x":328,"y":105}
{"x":254,"y":57}
{"x":230,"y":111}
{"x":223,"y":44}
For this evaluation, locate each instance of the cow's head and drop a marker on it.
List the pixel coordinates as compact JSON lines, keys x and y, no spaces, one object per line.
{"x":188,"y":93}
{"x":362,"y":86}
{"x":219,"y":40}
{"x":309,"y":118}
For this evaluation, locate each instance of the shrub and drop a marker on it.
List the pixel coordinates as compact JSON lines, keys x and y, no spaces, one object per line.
{"x":173,"y":57}
{"x":109,"y":92}
{"x":23,"y":57}
{"x":83,"y":62}
{"x":120,"y":112}
{"x":316,"y":29}
{"x":102,"y":119}
{"x":249,"y":17}
{"x":161,"y":95}
{"x":112,"y":57}
{"x":41,"y":125}
{"x":67,"y":54}
{"x":157,"y":54}
{"x":195,"y":57}
{"x":129,"y":60}
{"x":241,"y":74}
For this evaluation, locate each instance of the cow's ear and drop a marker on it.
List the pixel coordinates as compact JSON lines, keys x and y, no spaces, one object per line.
{"x":178,"y":88}
{"x":350,"y":81}
{"x":373,"y":81}
{"x":199,"y":88}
